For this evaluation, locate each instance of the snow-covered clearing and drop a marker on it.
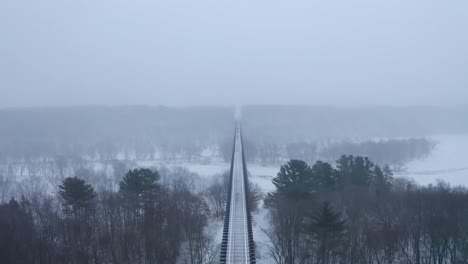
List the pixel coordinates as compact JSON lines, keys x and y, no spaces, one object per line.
{"x":204,"y":170}
{"x":448,"y":162}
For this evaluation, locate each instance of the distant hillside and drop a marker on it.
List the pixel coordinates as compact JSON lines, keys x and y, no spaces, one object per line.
{"x":273,"y":123}
{"x":100,"y":130}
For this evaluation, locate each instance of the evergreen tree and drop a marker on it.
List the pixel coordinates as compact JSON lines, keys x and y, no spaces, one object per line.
{"x":381,"y":180}
{"x":140,"y":185}
{"x":295,"y":180}
{"x":344,"y":166}
{"x":355,"y":170}
{"x":78,"y":197}
{"x":17,"y":234}
{"x":324,"y":174}
{"x":77,"y":194}
{"x":387,"y":174}
{"x":328,"y":231}
{"x":361,"y":171}
{"x":288,"y":208}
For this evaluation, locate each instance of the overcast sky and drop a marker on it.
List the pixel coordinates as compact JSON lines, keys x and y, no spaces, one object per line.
{"x":195,"y":52}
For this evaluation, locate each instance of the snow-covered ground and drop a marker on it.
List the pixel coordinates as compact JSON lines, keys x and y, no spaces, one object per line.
{"x":448,"y":162}
{"x":204,"y":170}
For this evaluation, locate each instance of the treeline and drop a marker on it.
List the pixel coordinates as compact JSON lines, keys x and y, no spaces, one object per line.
{"x":106,"y":133}
{"x":152,"y":218}
{"x":394,"y":152}
{"x":30,"y":177}
{"x":356,"y":212}
{"x":289,"y":123}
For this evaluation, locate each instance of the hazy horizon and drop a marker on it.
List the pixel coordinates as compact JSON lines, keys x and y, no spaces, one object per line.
{"x":232,"y":106}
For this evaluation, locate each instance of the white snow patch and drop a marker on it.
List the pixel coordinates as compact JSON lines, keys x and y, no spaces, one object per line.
{"x":204,"y":170}
{"x":448,"y":162}
{"x":262,"y":176}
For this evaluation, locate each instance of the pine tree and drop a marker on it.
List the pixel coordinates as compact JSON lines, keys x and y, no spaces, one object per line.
{"x":381,"y":180}
{"x":17,"y":234}
{"x":328,"y":230}
{"x":78,"y":197}
{"x":295,"y":180}
{"x":77,"y":194}
{"x":345,"y":164}
{"x":355,"y":170}
{"x":289,"y":205}
{"x":324,"y":174}
{"x":387,"y":174}
{"x":361,"y":171}
{"x":140,"y":185}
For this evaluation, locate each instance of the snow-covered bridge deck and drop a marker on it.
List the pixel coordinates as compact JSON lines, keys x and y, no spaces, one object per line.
{"x":238,"y":246}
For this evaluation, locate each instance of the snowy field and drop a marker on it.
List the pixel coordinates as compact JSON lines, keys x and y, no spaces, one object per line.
{"x":448,"y":162}
{"x":204,"y":170}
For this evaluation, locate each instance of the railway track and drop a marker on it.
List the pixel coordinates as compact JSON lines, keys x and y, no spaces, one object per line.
{"x":237,"y":245}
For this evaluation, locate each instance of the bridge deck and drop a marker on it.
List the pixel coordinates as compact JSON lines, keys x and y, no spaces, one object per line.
{"x":238,"y":245}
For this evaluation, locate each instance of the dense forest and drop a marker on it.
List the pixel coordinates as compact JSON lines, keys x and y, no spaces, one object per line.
{"x":169,"y":133}
{"x":287,"y":124}
{"x":356,"y":212}
{"x":394,"y":152}
{"x":353,"y":211}
{"x":153,"y":217}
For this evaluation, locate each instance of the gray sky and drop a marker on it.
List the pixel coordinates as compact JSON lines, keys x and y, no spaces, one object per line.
{"x":194,"y":52}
